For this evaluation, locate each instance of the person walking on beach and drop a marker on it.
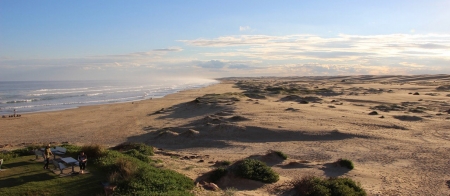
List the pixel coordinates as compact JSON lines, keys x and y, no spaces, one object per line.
{"x":47,"y":154}
{"x":82,"y":158}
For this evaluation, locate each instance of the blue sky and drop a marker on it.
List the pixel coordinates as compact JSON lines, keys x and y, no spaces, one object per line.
{"x":56,"y":40}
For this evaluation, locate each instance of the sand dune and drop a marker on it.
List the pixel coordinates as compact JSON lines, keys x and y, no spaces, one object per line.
{"x":403,"y":150}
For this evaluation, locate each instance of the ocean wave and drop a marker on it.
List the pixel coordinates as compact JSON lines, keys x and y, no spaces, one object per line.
{"x":46,"y":99}
{"x":104,"y":90}
{"x":22,"y":101}
{"x":94,"y":94}
{"x":61,"y":89}
{"x":134,"y":98}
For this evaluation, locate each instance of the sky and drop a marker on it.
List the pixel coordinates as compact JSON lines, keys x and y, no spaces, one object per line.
{"x":88,"y":40}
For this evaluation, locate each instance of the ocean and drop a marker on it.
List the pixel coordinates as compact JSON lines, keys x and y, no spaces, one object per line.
{"x":39,"y":96}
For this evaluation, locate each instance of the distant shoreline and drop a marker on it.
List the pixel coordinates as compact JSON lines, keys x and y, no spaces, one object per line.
{"x":3,"y":112}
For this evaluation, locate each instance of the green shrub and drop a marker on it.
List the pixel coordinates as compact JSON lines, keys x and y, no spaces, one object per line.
{"x":73,"y":150}
{"x":108,"y":160}
{"x":281,"y":155}
{"x":256,"y":170}
{"x":217,"y":174}
{"x":142,"y":148}
{"x":346,"y":163}
{"x":153,"y":181}
{"x":8,"y":156}
{"x":93,"y":151}
{"x":126,"y":169}
{"x":18,"y":152}
{"x":226,"y":163}
{"x":21,"y":152}
{"x":135,"y":177}
{"x":315,"y":186}
{"x":136,"y":154}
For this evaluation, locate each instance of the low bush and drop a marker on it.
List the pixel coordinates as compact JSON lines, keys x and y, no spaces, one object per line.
{"x":136,"y":177}
{"x":346,"y":163}
{"x":226,"y":163}
{"x":281,"y":155}
{"x":93,"y":151}
{"x":217,"y":174}
{"x":21,"y":152}
{"x":136,"y":154}
{"x":73,"y":150}
{"x":315,"y":186}
{"x":8,"y":155}
{"x":126,"y":169}
{"x":256,"y":170}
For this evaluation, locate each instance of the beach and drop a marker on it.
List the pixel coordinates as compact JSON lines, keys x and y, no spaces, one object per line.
{"x":395,"y":129}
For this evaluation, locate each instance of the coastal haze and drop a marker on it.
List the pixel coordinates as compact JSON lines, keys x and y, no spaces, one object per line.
{"x":225,"y":81}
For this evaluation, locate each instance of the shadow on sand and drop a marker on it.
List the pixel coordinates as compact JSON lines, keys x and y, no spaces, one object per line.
{"x":408,"y":118}
{"x":331,"y":170}
{"x":218,"y":135}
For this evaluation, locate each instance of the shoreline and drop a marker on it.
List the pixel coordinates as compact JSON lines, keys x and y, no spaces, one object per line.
{"x":137,"y":100}
{"x":15,"y":124}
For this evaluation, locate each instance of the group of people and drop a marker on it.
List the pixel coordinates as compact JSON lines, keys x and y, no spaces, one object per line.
{"x":82,"y":159}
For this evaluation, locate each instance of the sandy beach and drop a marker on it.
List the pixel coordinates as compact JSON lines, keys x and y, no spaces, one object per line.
{"x":395,"y":129}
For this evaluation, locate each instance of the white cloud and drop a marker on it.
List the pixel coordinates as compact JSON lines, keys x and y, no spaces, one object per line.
{"x":341,"y":48}
{"x":260,"y":55}
{"x":244,"y":28}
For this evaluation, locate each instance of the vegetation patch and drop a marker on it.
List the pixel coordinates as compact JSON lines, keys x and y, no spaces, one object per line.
{"x":225,"y":163}
{"x":315,"y":186}
{"x":136,"y":177}
{"x":136,"y":154}
{"x":281,"y":155}
{"x":256,"y":170}
{"x":94,"y":151}
{"x":443,"y":88}
{"x":217,"y":174}
{"x":142,"y":148}
{"x":346,"y":163}
{"x":387,"y":108}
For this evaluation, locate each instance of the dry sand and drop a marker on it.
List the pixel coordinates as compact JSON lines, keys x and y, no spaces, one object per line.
{"x":314,"y":120}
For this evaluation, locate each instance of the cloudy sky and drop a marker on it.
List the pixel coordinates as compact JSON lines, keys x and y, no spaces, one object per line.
{"x":77,"y":40}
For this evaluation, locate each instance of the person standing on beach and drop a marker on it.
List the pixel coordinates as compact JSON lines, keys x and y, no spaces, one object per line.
{"x":82,"y":158}
{"x":47,"y":154}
